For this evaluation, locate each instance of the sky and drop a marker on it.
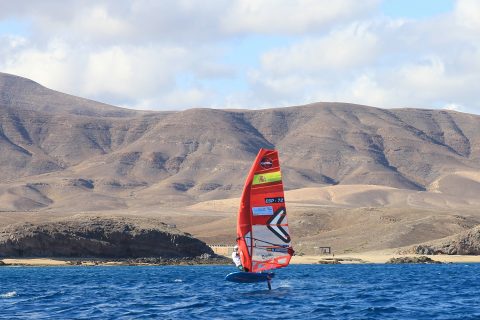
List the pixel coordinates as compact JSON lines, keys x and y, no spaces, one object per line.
{"x":181,"y":54}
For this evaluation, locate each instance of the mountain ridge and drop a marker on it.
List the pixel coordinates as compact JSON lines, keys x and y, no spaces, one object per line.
{"x":204,"y":153}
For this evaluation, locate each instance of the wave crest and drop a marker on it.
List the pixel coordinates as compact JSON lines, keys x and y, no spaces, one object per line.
{"x":7,"y":295}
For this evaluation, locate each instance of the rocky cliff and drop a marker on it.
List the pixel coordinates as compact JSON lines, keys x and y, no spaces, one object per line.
{"x":464,"y":243}
{"x":111,"y":237}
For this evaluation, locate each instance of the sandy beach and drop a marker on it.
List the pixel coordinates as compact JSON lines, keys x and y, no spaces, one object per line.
{"x":50,"y":262}
{"x":38,"y":262}
{"x":379,"y":257}
{"x":354,"y":258}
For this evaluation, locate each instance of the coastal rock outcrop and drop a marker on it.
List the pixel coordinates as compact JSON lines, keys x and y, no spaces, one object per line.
{"x":402,"y":260}
{"x":464,"y":243}
{"x":101,"y":237}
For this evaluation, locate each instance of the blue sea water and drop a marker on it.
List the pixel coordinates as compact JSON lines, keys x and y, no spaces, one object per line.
{"x":199,"y":292}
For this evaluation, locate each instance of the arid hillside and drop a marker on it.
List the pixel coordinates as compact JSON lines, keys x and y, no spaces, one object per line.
{"x":52,"y":144}
{"x":418,"y":169}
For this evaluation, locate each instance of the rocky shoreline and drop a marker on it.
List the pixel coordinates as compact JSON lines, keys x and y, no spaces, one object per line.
{"x":418,"y":260}
{"x":102,"y":241}
{"x":464,"y":243}
{"x":205,"y":259}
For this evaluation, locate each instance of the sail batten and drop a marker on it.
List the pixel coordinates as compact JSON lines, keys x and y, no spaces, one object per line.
{"x":263,"y":235}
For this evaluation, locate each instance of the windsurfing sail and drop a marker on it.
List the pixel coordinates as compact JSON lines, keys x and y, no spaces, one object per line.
{"x":263,"y":237}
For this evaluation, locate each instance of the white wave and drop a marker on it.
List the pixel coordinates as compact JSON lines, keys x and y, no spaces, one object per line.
{"x":178,"y":280}
{"x":283,"y":283}
{"x":7,"y":295}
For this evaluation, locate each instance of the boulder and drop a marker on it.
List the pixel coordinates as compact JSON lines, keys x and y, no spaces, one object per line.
{"x":421,"y":259}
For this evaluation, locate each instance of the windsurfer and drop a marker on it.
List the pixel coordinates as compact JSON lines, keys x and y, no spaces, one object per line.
{"x":236,"y":259}
{"x":291,"y":251}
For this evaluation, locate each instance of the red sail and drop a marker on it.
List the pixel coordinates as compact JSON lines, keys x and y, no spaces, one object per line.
{"x":262,"y":227}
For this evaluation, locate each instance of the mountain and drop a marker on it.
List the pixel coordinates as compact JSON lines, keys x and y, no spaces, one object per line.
{"x":63,"y":155}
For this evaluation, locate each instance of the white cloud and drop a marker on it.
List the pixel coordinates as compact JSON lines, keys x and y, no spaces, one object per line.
{"x":342,"y":49}
{"x":291,"y":17}
{"x":366,"y":90}
{"x":134,"y":71}
{"x":124,"y":75}
{"x":182,"y":21}
{"x":53,"y":66}
{"x":453,"y":106}
{"x":467,"y":13}
{"x":194,"y":97}
{"x":98,"y":22}
{"x":172,"y":53}
{"x":381,"y":62}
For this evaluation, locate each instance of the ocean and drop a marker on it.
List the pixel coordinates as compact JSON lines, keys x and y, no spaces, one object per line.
{"x":449,"y":291}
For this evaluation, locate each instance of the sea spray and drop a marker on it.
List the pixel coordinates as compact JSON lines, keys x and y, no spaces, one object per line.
{"x":8,"y":295}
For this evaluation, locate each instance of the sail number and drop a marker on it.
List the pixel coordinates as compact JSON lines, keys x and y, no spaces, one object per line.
{"x":274,"y":200}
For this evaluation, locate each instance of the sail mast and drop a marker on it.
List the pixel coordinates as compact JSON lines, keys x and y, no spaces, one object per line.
{"x":244,"y":219}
